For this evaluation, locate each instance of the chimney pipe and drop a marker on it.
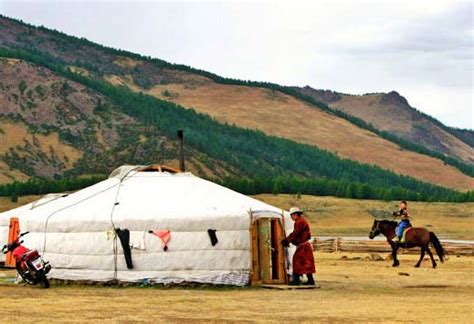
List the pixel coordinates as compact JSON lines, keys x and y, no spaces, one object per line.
{"x":181,"y":150}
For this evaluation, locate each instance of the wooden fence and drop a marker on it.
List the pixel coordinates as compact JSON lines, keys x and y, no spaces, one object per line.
{"x":366,"y":246}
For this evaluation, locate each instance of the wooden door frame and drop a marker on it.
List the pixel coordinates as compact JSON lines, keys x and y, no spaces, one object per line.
{"x":278,"y":274}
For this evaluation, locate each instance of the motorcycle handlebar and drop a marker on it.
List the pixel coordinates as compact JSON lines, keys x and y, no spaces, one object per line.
{"x":5,"y":248}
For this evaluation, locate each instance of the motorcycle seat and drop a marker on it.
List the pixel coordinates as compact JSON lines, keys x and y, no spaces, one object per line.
{"x":33,"y":254}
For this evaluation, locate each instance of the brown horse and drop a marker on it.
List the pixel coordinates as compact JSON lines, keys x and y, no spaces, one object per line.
{"x":415,"y":237}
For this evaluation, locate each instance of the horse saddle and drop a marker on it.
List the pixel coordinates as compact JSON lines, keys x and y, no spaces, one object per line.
{"x":405,"y":231}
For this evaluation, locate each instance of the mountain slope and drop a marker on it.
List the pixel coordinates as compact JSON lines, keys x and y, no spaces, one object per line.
{"x":391,"y":112}
{"x":51,"y":126}
{"x":467,"y":135}
{"x":247,"y":106}
{"x":278,"y":114}
{"x":268,"y":161}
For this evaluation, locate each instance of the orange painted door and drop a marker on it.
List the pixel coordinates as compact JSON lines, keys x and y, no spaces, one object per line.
{"x":13,"y":233}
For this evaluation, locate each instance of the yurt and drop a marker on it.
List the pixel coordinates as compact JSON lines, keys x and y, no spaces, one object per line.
{"x":6,"y":218}
{"x":154,"y":224}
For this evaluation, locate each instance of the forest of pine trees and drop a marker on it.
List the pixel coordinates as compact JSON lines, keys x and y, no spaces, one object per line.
{"x":253,"y":186}
{"x":268,"y":164}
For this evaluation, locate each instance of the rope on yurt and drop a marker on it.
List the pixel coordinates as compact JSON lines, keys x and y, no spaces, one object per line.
{"x":37,"y":203}
{"x":112,"y":218}
{"x":113,"y":226}
{"x":66,"y":207}
{"x":71,"y":205}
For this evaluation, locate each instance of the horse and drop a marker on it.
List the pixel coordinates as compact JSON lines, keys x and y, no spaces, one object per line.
{"x":413,"y":238}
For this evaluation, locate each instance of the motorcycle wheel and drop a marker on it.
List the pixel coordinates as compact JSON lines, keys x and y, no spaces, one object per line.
{"x":26,"y":278}
{"x":44,"y":282}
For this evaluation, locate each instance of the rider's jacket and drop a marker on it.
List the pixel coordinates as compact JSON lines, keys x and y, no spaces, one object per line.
{"x":403,"y":213}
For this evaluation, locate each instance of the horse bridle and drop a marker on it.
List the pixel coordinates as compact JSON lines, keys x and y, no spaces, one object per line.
{"x":374,"y":230}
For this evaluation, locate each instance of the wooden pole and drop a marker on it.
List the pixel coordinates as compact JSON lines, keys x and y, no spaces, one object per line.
{"x":285,"y":250}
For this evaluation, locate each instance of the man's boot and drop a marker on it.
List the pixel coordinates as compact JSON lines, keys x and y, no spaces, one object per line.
{"x":296,"y":280}
{"x":310,"y":281}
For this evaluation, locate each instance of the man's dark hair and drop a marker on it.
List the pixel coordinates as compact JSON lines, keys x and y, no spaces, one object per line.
{"x":404,"y":202}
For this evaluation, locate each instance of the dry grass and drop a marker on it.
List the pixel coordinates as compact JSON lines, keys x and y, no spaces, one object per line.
{"x":11,"y":61}
{"x":338,"y":216}
{"x":79,"y":70}
{"x":7,"y":204}
{"x":126,"y":62}
{"x":125,"y":81}
{"x":17,"y":135}
{"x":7,"y":174}
{"x":351,"y":291}
{"x":269,"y":111}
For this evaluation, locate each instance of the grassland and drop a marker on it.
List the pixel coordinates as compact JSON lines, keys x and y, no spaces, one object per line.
{"x":355,"y":290}
{"x":7,"y":204}
{"x":338,"y":216}
{"x":17,"y":135}
{"x":8,"y":174}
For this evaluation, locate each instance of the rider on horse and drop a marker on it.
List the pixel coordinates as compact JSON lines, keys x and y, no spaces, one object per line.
{"x":405,"y":221}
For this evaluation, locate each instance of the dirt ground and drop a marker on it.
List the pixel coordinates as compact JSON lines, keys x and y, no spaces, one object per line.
{"x":352,"y":290}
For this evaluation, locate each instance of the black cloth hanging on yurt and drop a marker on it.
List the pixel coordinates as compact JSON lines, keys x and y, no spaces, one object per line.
{"x":213,"y":236}
{"x":124,"y":236}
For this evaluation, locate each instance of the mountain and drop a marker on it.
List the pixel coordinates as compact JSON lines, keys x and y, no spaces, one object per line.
{"x":52,"y":125}
{"x":94,"y":130}
{"x":392,"y":113}
{"x":467,"y":135}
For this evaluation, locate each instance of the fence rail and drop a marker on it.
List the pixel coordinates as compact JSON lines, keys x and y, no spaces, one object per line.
{"x":362,"y":246}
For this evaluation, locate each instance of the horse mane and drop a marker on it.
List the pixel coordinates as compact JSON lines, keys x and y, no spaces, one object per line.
{"x":388,"y":222}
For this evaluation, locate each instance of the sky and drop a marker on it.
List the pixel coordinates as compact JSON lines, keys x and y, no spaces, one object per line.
{"x":421,"y":49}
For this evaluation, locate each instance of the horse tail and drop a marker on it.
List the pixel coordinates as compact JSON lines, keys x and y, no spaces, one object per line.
{"x":438,"y":247}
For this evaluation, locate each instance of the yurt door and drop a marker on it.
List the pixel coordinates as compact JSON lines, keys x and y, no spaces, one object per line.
{"x":268,"y":255}
{"x":13,"y":233}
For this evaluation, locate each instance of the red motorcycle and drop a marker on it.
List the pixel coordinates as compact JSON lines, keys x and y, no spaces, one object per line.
{"x":29,"y":264}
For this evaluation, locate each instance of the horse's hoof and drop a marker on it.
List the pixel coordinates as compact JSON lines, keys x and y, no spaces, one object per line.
{"x":417,"y":265}
{"x":395,"y":265}
{"x":434,"y":266}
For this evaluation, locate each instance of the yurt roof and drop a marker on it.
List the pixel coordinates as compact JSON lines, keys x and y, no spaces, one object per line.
{"x":135,"y":198}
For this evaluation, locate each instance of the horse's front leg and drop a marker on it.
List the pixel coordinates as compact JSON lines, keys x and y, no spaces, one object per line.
{"x":396,"y":263}
{"x":433,"y":262}
{"x":422,"y":255}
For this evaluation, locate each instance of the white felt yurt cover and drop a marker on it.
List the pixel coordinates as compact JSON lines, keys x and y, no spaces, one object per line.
{"x":18,"y":212}
{"x":75,"y":232}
